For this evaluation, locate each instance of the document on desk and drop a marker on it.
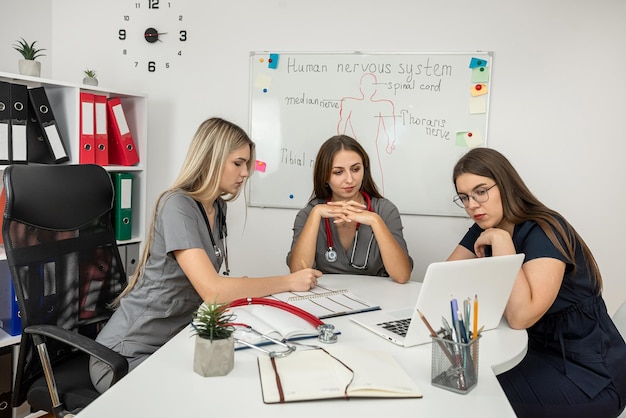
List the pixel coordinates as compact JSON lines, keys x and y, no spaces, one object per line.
{"x":335,"y":372}
{"x":271,"y":321}
{"x":325,"y":302}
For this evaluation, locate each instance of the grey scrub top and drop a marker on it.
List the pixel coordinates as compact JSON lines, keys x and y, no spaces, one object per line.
{"x":374,"y":266}
{"x":163,"y":300}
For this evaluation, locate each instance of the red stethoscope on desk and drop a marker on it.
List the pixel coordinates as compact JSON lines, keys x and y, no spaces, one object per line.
{"x":331,"y":254}
{"x":326,"y":331}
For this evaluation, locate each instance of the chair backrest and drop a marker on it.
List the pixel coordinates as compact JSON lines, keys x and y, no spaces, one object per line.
{"x":619,"y":318}
{"x":62,"y":253}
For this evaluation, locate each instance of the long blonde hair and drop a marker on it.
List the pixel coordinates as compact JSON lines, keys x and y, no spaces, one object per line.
{"x":200,"y":176}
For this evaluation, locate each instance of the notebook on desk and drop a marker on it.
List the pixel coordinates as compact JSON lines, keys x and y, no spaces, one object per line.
{"x":490,"y":278}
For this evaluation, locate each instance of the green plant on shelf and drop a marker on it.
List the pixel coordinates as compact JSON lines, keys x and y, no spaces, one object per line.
{"x":91,"y":73}
{"x":28,"y":51}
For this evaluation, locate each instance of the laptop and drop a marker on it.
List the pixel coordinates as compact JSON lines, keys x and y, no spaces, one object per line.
{"x":489,"y":278}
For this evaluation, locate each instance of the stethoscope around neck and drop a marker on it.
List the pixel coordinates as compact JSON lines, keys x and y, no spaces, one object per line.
{"x":331,"y":254}
{"x":223,"y":233}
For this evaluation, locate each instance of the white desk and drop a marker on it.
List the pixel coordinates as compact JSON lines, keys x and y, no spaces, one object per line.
{"x":166,"y":386}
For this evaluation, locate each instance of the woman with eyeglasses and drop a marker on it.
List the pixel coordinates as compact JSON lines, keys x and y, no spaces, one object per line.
{"x":186,"y":250}
{"x":576,"y":360}
{"x":347,"y":226}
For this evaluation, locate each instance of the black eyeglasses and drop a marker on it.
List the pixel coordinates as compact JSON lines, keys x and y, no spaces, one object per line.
{"x":480,"y":195}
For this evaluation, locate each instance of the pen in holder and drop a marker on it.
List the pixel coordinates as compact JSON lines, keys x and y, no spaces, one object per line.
{"x":454,"y":365}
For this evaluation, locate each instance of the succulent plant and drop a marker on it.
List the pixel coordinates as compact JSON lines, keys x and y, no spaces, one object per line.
{"x":28,"y":51}
{"x":213,"y":321}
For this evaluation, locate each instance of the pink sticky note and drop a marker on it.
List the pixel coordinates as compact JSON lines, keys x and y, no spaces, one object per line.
{"x":260,"y":166}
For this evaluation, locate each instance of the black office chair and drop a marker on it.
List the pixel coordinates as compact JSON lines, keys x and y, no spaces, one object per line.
{"x":66,"y":269}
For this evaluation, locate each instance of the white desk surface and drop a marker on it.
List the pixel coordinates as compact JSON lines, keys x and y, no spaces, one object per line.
{"x":166,"y":386}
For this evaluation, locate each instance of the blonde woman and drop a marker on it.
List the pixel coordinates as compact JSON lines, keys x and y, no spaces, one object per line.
{"x":185,"y":251}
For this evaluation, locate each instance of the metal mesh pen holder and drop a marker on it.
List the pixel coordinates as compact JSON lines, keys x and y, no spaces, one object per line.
{"x":454,"y":365}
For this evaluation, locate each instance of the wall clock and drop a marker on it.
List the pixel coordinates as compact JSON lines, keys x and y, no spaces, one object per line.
{"x":153,"y":35}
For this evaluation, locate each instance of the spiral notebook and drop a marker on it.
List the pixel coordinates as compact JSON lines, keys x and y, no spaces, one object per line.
{"x":325,"y":302}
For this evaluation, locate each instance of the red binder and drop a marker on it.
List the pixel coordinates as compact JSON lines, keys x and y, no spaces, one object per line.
{"x":101,"y":138}
{"x":87,"y":153}
{"x":122,"y":149}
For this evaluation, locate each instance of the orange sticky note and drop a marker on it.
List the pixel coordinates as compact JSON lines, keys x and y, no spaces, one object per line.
{"x":479,"y":89}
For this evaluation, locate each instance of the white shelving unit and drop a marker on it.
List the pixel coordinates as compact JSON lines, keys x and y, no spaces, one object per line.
{"x":64,"y":101}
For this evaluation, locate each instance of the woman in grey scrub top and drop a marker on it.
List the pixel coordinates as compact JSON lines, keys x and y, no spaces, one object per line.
{"x":185,"y":250}
{"x":347,"y":226}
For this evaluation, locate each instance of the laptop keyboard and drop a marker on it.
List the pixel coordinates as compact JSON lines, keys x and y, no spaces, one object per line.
{"x":400,"y":326}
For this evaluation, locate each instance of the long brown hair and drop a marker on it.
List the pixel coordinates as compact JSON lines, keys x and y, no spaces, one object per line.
{"x":324,"y":166}
{"x":519,"y":204}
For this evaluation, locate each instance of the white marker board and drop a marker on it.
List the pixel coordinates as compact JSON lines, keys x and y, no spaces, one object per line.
{"x":414,"y":113}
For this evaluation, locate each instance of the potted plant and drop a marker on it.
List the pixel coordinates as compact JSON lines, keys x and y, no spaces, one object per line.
{"x":91,"y":78}
{"x":29,"y":65}
{"x":214,"y":351}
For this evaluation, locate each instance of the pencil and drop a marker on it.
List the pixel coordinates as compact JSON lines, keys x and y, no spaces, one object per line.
{"x":434,"y":334}
{"x":303,"y":263}
{"x":475,"y":333}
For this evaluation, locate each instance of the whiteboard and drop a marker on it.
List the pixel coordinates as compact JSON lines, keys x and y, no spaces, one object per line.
{"x":414,"y":113}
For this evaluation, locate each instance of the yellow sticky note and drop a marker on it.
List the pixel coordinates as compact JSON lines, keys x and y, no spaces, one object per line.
{"x":473,"y":139}
{"x":478,"y":104}
{"x":263,"y":81}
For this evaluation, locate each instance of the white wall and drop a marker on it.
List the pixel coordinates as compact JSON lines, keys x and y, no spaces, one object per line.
{"x":556,"y":106}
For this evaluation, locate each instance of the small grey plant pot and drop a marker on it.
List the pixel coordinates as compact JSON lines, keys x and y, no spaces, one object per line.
{"x":213,"y":358}
{"x":29,"y":67}
{"x":90,"y":81}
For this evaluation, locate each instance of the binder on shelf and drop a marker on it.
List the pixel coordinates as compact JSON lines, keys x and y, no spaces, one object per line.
{"x":101,"y":138}
{"x":19,"y":115}
{"x":5,"y":122}
{"x":132,"y":258}
{"x":3,"y":203}
{"x":87,"y":154}
{"x":10,"y":320}
{"x":122,"y":205}
{"x":46,"y":119}
{"x":36,"y":143}
{"x":129,"y":253}
{"x":122,"y":149}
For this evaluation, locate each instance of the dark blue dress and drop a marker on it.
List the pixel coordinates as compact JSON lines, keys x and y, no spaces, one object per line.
{"x":576,"y":360}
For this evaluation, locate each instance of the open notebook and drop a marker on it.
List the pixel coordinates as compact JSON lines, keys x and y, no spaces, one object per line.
{"x":490,"y":278}
{"x":335,"y":372}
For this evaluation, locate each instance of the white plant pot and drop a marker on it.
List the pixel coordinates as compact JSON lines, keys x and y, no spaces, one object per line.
{"x":30,"y":67}
{"x":90,"y":81}
{"x":213,"y":358}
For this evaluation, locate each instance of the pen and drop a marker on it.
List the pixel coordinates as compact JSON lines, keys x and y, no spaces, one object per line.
{"x":466,"y":318}
{"x":462,"y":330}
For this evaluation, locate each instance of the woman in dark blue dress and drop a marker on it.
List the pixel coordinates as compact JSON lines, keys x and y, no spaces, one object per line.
{"x":576,"y":360}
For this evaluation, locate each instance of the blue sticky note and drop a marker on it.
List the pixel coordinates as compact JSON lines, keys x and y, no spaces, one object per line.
{"x":478,"y":62}
{"x":273,"y":61}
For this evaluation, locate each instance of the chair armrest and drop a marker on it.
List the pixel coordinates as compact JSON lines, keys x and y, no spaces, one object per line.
{"x":114,"y":360}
